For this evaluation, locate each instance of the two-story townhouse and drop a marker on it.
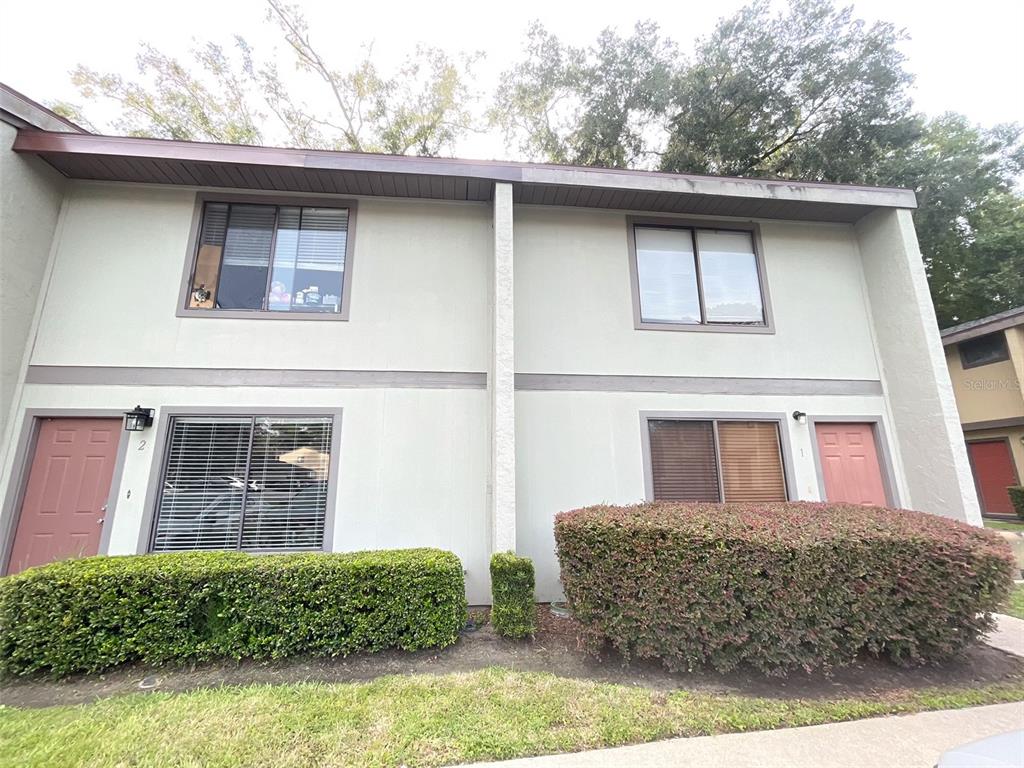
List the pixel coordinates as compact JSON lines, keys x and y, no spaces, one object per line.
{"x":345,"y":351}
{"x":986,"y":365}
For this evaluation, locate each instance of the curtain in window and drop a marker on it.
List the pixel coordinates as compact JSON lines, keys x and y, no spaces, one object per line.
{"x":683,"y":460}
{"x":751,"y":461}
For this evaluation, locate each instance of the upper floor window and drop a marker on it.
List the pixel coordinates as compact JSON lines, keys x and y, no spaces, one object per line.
{"x":274,"y":258}
{"x":688,"y":276}
{"x":984,"y":350}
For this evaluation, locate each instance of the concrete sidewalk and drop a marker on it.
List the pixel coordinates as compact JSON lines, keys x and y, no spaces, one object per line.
{"x":1009,"y":635}
{"x":908,"y":741}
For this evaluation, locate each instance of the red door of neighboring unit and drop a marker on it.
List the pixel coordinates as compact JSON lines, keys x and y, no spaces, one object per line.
{"x":66,"y":495}
{"x":849,"y":463}
{"x":993,"y":474}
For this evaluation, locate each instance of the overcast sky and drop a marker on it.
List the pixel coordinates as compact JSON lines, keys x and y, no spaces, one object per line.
{"x":967,"y":56}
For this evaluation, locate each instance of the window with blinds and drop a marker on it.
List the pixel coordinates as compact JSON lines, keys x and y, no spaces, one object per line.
{"x":689,"y":276}
{"x":276,"y":258}
{"x":716,"y":460}
{"x":249,"y":482}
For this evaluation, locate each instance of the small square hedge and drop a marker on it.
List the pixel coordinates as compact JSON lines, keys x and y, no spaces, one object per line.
{"x":92,"y":614}
{"x":778,"y":587}
{"x":514,"y":612}
{"x":1017,"y":499}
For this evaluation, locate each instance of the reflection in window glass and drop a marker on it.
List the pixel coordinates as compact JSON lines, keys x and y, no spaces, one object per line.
{"x":266,"y":257}
{"x":256,"y":483}
{"x":667,"y":276}
{"x":728,"y":271}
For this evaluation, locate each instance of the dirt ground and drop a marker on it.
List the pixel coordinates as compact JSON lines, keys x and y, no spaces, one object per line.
{"x":553,"y":650}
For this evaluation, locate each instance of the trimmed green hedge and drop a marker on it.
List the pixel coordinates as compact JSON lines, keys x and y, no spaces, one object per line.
{"x":94,"y":613}
{"x":1017,"y":498}
{"x":514,"y":612}
{"x":778,"y":586}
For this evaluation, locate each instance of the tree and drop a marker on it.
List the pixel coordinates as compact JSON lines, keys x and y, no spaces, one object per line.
{"x":586,"y":106}
{"x":809,"y":93}
{"x":970,"y":218}
{"x":423,"y":107}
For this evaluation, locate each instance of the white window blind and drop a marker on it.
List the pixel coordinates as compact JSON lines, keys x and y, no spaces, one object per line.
{"x":254,"y":483}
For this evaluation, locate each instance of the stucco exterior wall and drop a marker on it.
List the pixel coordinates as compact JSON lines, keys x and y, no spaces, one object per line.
{"x":574,"y":306}
{"x":419,"y":296}
{"x":916,"y":379}
{"x":985,"y":392}
{"x":31,"y":193}
{"x":580,"y":448}
{"x":412,"y":471}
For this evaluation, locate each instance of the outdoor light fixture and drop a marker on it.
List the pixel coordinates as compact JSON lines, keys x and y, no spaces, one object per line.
{"x":800,"y":417}
{"x":138,"y":419}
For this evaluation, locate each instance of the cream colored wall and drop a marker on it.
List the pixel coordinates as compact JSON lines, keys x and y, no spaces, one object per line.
{"x":31,"y":193}
{"x":986,"y":392}
{"x":574,"y":311}
{"x":412,"y":471}
{"x":580,"y":448}
{"x":419,"y":291}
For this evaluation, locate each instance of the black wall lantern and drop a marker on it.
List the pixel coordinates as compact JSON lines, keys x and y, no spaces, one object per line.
{"x":800,"y":417}
{"x":138,"y":419}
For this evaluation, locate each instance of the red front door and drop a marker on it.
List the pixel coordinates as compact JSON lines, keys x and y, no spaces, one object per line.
{"x":993,"y":474}
{"x":66,"y":495}
{"x":849,"y":463}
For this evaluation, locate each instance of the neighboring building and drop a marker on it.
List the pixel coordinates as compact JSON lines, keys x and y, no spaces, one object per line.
{"x":350,"y":351}
{"x":986,"y":364}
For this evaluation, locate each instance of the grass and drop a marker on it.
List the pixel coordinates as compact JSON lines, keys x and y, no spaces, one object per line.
{"x":415,"y":720}
{"x":1017,"y":526}
{"x":1016,"y":605}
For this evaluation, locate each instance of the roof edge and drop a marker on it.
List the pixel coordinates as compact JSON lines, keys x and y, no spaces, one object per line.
{"x":27,"y":112}
{"x":45,"y":142}
{"x":985,"y":325}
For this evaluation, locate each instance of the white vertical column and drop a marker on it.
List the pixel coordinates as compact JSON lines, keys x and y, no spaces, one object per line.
{"x":501,"y":380}
{"x":917,"y":384}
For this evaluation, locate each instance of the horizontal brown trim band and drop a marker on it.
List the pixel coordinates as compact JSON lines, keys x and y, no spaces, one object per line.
{"x":251,"y":377}
{"x":973,"y":426}
{"x":694,"y":385}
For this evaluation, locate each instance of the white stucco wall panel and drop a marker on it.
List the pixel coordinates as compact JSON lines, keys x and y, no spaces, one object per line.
{"x":419,"y":298}
{"x":916,"y":379}
{"x":579,"y":448}
{"x":31,"y":193}
{"x":575,"y":306}
{"x":412,"y":471}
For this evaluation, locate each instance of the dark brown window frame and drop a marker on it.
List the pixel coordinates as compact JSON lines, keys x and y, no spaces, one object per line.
{"x":1002,"y":359}
{"x":203,"y":198}
{"x":751,"y":228}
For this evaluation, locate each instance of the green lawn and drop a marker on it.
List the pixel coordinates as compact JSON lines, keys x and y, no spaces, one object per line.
{"x":1017,"y":526}
{"x":1016,"y":605}
{"x":413,"y":720}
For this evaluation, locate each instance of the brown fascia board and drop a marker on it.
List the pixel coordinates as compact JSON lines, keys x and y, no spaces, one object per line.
{"x":23,"y":111}
{"x":986,"y":325}
{"x":46,"y":143}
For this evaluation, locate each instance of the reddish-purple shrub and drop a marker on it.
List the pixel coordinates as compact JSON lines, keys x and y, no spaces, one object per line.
{"x":778,"y":586}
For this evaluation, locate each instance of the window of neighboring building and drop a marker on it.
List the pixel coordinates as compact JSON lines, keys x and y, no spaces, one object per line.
{"x":244,"y":482}
{"x":984,"y":350}
{"x":273,"y":258}
{"x":699,"y":277}
{"x":716,"y":460}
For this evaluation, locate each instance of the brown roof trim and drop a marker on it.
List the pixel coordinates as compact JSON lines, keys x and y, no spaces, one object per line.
{"x":51,"y":145}
{"x":983,"y":326}
{"x":26,"y":112}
